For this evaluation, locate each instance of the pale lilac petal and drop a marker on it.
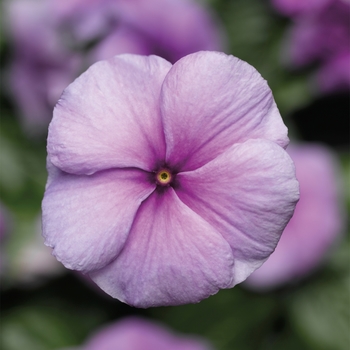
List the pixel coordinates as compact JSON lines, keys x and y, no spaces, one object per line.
{"x":172,"y":257}
{"x":87,"y":219}
{"x":248,"y":194}
{"x":316,"y":225}
{"x":139,"y":334}
{"x":110,"y":117}
{"x":210,"y":101}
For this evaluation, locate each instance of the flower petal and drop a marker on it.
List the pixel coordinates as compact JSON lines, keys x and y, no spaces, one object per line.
{"x":248,"y":194}
{"x":209,"y":101}
{"x":110,"y":117}
{"x":133,"y":333}
{"x":86,"y":219}
{"x":172,"y":257}
{"x":317,"y":222}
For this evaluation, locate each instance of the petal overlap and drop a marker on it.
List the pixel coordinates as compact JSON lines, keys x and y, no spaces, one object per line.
{"x":87,"y":219}
{"x":110,"y":117}
{"x":209,"y":101}
{"x":248,"y":194}
{"x":172,"y":257}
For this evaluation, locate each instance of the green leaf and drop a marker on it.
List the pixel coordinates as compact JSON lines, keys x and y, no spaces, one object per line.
{"x":321,"y":310}
{"x":48,"y":325}
{"x":235,"y":319}
{"x":35,"y":329}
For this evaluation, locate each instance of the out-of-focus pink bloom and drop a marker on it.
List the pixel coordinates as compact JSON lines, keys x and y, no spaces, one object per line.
{"x":315,"y":226}
{"x":167,"y":182}
{"x":168,"y":28}
{"x":334,"y":75}
{"x":55,"y":40}
{"x":322,"y":36}
{"x":42,"y":66}
{"x":298,"y":7}
{"x":140,"y":334}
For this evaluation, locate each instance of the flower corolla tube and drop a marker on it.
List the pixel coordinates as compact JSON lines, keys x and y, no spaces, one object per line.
{"x":167,"y":182}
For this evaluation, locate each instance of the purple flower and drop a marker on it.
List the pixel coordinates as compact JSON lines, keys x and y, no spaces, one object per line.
{"x":42,"y":66}
{"x":298,"y":7}
{"x":139,"y":334}
{"x":54,"y":41}
{"x":322,"y":36}
{"x":167,"y":183}
{"x":334,"y":74}
{"x":315,"y":226}
{"x":168,"y":28}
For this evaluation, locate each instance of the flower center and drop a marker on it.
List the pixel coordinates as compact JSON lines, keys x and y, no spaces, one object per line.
{"x":164,"y":177}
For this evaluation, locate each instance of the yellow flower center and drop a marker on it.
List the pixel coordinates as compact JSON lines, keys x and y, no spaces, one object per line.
{"x":164,"y":177}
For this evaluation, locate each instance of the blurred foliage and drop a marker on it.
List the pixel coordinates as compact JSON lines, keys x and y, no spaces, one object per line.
{"x":62,"y":311}
{"x":320,"y":310}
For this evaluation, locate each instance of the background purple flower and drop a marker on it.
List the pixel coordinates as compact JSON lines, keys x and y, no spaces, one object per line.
{"x":316,"y":224}
{"x":139,"y":334}
{"x":42,"y":66}
{"x":322,"y":36}
{"x":334,"y":74}
{"x":167,"y":183}
{"x":54,"y":41}
{"x":298,"y":7}
{"x":168,"y":28}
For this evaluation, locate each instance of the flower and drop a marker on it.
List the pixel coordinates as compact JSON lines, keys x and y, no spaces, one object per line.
{"x":334,"y":75}
{"x":298,"y":7}
{"x":54,"y":41}
{"x":315,"y":226}
{"x":42,"y":66}
{"x":168,"y":28}
{"x":167,"y":183}
{"x":321,"y":35}
{"x":140,"y":334}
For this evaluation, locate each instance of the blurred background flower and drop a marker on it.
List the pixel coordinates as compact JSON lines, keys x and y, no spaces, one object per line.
{"x":47,"y":43}
{"x":320,"y":35}
{"x":135,"y":333}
